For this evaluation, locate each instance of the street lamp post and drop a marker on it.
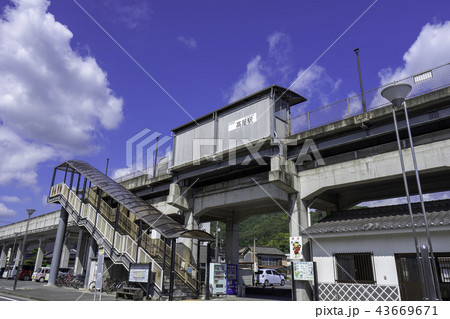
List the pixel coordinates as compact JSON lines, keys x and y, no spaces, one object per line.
{"x":397,"y":94}
{"x":22,"y":252}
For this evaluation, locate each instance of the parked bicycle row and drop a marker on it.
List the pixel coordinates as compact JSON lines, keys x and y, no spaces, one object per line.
{"x":111,"y":286}
{"x":70,"y":280}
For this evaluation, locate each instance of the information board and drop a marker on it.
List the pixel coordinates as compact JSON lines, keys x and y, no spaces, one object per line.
{"x":303,"y":270}
{"x":138,"y":273}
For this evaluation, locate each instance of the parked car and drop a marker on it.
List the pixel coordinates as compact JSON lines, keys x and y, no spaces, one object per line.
{"x":270,"y":277}
{"x":25,"y":273}
{"x":62,"y":272}
{"x":40,"y":273}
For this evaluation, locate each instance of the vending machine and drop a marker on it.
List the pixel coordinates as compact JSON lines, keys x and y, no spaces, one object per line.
{"x":218,"y":278}
{"x":232,"y":279}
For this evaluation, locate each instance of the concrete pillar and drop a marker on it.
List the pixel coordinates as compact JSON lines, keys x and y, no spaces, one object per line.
{"x":57,"y":250}
{"x":3,"y":256}
{"x":299,"y":221}
{"x":189,"y":223}
{"x":191,"y":252}
{"x":80,"y":252}
{"x":232,"y":251}
{"x":65,"y":254}
{"x":232,"y":238}
{"x":91,"y":255}
{"x":40,"y":254}
{"x":17,"y":254}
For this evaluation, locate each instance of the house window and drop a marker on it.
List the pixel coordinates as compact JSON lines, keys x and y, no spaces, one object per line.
{"x":443,"y":264}
{"x":269,"y":261}
{"x":354,"y":268}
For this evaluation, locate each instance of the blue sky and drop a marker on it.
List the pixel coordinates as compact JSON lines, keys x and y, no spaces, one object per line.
{"x":67,"y":90}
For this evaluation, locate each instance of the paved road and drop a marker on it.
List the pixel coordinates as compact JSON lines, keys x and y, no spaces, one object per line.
{"x":29,"y":290}
{"x":5,"y":297}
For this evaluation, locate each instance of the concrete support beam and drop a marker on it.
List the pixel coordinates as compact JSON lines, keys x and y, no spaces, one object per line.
{"x":65,"y":255}
{"x":379,"y":168}
{"x":175,"y":199}
{"x":191,"y":252}
{"x":40,"y":254}
{"x":57,"y":250}
{"x":232,"y":239}
{"x":91,"y":255}
{"x":298,"y":221}
{"x":17,"y":254}
{"x":282,"y":173}
{"x":190,"y":223}
{"x":3,"y":256}
{"x":78,"y":269}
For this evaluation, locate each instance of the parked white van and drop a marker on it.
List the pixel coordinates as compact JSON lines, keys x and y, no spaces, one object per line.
{"x":40,"y":273}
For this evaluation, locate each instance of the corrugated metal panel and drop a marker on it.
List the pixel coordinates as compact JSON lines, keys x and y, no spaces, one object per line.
{"x":259,"y":113}
{"x":184,"y":151}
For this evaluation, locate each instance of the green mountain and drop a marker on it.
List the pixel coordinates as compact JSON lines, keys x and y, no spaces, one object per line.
{"x":270,"y":230}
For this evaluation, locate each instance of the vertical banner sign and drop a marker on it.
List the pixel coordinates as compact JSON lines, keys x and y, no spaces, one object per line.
{"x":295,"y":247}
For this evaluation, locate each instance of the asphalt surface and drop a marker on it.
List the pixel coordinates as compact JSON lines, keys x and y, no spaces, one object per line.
{"x":29,"y":290}
{"x":35,"y":291}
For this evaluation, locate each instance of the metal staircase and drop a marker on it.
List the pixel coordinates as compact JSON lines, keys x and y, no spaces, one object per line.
{"x":124,"y":243}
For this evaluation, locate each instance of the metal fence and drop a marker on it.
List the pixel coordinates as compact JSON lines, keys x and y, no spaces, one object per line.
{"x":424,"y":82}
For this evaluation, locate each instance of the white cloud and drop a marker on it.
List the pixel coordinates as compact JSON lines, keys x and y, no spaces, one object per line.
{"x":10,"y":199}
{"x":279,"y":50}
{"x":120,"y":172}
{"x":52,"y":100}
{"x":189,"y":42}
{"x":5,"y":211}
{"x":22,"y":158}
{"x":251,"y":81}
{"x":44,"y":200}
{"x":130,"y":13}
{"x":430,"y":49}
{"x":316,"y":86}
{"x":403,"y":200}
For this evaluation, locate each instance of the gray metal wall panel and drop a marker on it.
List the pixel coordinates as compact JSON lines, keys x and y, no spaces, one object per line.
{"x":259,"y":129}
{"x":184,"y":143}
{"x":281,"y":128}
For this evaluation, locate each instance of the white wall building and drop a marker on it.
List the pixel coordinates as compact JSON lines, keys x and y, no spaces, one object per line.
{"x":369,"y":254}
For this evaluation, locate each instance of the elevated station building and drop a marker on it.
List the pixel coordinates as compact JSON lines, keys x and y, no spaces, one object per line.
{"x":261,"y":155}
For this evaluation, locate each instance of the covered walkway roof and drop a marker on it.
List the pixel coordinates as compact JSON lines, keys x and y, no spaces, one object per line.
{"x":162,"y":223}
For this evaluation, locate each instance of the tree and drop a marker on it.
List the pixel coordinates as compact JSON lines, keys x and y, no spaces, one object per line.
{"x":32,"y":260}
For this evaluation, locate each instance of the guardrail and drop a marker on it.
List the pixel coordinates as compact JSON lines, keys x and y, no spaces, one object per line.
{"x":424,"y":82}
